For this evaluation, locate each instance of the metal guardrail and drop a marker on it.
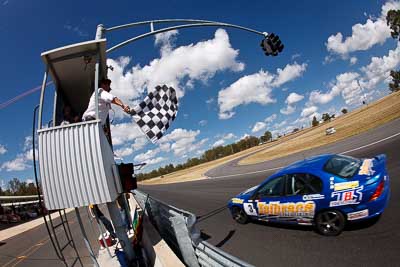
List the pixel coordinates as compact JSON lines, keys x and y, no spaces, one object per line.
{"x":177,"y":228}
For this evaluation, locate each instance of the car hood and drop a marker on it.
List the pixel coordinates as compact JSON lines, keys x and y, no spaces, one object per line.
{"x":248,"y":192}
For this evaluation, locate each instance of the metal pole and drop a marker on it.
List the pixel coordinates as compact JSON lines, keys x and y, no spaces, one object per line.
{"x":120,"y":231}
{"x":42,"y":98}
{"x":99,"y":35}
{"x":181,"y":27}
{"x":85,"y":238}
{"x":112,"y":206}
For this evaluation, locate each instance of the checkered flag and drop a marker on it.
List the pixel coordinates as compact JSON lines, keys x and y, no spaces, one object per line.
{"x":156,"y":112}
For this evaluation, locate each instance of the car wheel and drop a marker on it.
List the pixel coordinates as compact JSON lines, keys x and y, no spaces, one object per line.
{"x":239,"y":215}
{"x":330,"y":222}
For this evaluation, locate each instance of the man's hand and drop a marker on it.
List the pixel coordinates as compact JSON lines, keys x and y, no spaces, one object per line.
{"x":127,"y":109}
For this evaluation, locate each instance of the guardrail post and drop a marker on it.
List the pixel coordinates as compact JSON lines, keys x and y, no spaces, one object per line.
{"x":183,"y":238}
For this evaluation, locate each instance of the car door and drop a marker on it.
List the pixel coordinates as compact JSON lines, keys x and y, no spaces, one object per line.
{"x":263,"y":201}
{"x":301,"y":197}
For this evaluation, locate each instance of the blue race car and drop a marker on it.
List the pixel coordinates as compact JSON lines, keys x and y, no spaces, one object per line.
{"x":326,"y":191}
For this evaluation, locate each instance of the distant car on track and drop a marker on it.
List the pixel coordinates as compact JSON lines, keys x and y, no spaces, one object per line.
{"x":330,"y":130}
{"x":326,"y":191}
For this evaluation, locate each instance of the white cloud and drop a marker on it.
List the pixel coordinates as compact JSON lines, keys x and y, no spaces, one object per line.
{"x":364,"y":36}
{"x":290,"y":72}
{"x":379,"y":68}
{"x":244,"y":136}
{"x":165,"y":147}
{"x":255,"y":88}
{"x":271,"y":118}
{"x":279,"y":125}
{"x":125,"y":132}
{"x":176,"y":67}
{"x":166,"y":40}
{"x":30,"y":181}
{"x":288,"y":110}
{"x":229,"y":136}
{"x":293,"y":98}
{"x":140,"y":143}
{"x":28,"y":142}
{"x":353,"y":60}
{"x":223,"y":139}
{"x":155,"y":161}
{"x":250,"y":88}
{"x":183,"y":141}
{"x":294,"y":56}
{"x":258,"y":127}
{"x":146,"y":156}
{"x":209,"y":101}
{"x":17,"y":164}
{"x":290,"y":100}
{"x":29,"y":154}
{"x":220,"y":142}
{"x":123,"y":152}
{"x":3,"y":149}
{"x":307,"y":111}
{"x":344,"y":84}
{"x":22,"y":160}
{"x":129,"y":149}
{"x":76,"y":29}
{"x":203,"y":122}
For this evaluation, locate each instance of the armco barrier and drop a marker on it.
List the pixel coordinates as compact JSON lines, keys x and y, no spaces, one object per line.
{"x":177,"y":228}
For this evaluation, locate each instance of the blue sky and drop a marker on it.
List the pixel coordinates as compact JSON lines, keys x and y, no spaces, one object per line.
{"x":227,"y":87}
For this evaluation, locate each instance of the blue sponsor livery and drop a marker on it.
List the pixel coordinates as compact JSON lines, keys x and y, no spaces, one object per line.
{"x":326,"y":191}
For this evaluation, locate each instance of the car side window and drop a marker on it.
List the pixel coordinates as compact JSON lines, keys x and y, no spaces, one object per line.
{"x":272,"y":188}
{"x":303,"y":184}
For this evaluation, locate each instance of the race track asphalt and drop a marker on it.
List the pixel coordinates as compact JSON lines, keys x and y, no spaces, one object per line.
{"x":33,"y":248}
{"x":262,"y":244}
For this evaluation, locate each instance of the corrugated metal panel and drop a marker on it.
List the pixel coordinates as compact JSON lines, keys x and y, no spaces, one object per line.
{"x":77,"y":166}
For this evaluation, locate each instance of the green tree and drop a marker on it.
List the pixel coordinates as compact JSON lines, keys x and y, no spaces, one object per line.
{"x":393,"y":21}
{"x":314,"y":122}
{"x":344,"y":110}
{"x":266,"y":136}
{"x":14,"y":185}
{"x":326,"y":117}
{"x":395,"y":85}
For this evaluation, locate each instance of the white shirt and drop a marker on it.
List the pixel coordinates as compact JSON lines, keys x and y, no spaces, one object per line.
{"x":105,"y":99}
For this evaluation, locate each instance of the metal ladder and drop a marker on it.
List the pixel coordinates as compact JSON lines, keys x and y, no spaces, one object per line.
{"x":52,"y":230}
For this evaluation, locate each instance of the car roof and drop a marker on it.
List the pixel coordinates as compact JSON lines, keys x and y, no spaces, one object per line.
{"x":311,"y":163}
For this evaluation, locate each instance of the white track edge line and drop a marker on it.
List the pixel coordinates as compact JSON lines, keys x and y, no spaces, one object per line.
{"x":276,"y":168}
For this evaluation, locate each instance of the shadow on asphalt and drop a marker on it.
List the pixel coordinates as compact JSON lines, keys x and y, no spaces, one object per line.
{"x":361,"y":225}
{"x":352,"y":226}
{"x":226,"y":239}
{"x":284,"y":226}
{"x":211,"y":213}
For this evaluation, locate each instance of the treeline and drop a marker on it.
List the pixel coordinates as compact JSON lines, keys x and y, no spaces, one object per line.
{"x":15,"y":187}
{"x":210,"y":155}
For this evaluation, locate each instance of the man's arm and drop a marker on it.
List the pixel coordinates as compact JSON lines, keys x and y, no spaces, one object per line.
{"x":118,"y":102}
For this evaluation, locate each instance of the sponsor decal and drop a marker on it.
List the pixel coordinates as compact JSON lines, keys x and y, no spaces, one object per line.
{"x":290,"y":209}
{"x":313,"y":196}
{"x":346,"y":185}
{"x":357,"y":215}
{"x":249,"y":209}
{"x":366,"y":167}
{"x":237,"y":200}
{"x":332,"y":183}
{"x":346,"y":197}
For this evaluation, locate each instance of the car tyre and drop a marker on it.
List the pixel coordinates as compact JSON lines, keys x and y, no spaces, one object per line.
{"x":239,"y":215}
{"x":330,"y":222}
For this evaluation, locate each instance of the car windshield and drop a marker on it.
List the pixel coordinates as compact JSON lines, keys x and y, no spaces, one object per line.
{"x":343,"y":166}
